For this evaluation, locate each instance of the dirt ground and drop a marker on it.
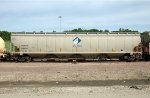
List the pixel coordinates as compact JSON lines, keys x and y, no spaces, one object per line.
{"x":76,"y":92}
{"x":80,"y":80}
{"x":43,"y":72}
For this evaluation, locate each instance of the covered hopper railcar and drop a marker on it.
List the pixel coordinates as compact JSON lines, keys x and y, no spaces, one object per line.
{"x":76,"y":46}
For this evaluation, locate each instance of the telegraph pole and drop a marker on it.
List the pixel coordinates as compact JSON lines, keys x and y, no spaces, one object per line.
{"x":60,"y":22}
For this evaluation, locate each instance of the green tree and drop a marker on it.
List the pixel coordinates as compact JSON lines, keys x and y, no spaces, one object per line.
{"x":125,"y":30}
{"x":106,"y":30}
{"x":84,"y":30}
{"x":5,"y":35}
{"x":93,"y":30}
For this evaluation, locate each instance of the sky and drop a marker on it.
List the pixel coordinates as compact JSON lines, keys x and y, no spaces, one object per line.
{"x":43,"y":15}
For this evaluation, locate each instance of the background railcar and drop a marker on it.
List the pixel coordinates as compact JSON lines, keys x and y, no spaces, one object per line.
{"x":145,"y":38}
{"x":2,"y":48}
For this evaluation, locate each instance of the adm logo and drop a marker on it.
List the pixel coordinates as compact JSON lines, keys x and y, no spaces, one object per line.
{"x":76,"y":42}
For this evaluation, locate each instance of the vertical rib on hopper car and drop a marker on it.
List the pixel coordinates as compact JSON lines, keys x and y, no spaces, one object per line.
{"x":77,"y":46}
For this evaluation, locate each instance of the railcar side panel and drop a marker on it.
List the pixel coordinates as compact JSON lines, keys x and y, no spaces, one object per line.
{"x":102,"y":43}
{"x":94,"y":44}
{"x":120,"y":43}
{"x":129,"y":43}
{"x":111,"y":43}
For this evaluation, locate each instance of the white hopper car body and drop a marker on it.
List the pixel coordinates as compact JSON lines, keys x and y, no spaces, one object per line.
{"x":76,"y":45}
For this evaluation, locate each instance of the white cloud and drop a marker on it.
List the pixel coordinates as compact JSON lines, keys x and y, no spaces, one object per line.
{"x":30,"y":14}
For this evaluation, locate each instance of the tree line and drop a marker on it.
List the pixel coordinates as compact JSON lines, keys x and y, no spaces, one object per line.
{"x":96,"y":30}
{"x":5,"y":35}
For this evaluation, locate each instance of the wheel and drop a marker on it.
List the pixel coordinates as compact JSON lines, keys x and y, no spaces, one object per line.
{"x":28,"y":59}
{"x":129,"y":58}
{"x":24,"y":58}
{"x":138,"y":57}
{"x":21,"y":58}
